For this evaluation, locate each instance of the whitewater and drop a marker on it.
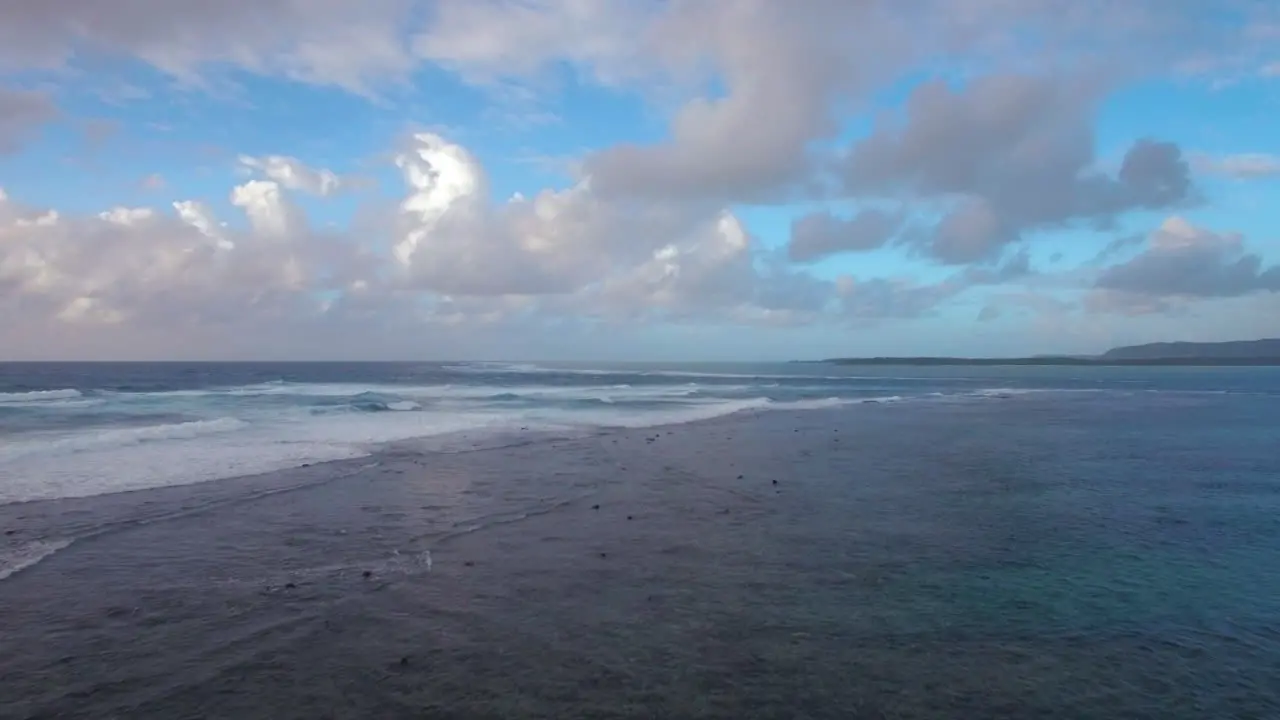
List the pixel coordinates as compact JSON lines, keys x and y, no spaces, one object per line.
{"x":77,"y":430}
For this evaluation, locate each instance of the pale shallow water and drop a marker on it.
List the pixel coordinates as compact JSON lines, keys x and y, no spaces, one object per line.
{"x":1109,"y":547}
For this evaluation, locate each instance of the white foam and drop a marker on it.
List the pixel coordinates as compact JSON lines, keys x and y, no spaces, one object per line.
{"x":999,"y":392}
{"x":531,"y":369}
{"x":20,"y":557}
{"x":418,"y":393}
{"x":257,"y":428}
{"x":38,"y":396}
{"x":1008,"y":392}
{"x":116,"y":437}
{"x":886,"y":400}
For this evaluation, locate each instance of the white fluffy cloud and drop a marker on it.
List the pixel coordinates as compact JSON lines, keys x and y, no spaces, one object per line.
{"x":292,"y":173}
{"x":139,"y":265}
{"x":593,"y":256}
{"x":452,"y":257}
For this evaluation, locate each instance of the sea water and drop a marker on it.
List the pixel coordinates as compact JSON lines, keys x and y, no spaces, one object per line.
{"x":75,"y":430}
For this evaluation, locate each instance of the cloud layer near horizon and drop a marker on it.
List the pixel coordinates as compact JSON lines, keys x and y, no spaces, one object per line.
{"x":993,"y":151}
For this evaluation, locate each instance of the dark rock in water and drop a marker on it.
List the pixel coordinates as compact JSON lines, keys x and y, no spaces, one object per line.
{"x":368,"y":573}
{"x":595,"y":507}
{"x":775,"y":482}
{"x":306,"y":464}
{"x":10,"y":532}
{"x":740,"y":477}
{"x":469,"y":563}
{"x":603,"y":555}
{"x":629,"y":517}
{"x":290,"y":586}
{"x":404,"y":661}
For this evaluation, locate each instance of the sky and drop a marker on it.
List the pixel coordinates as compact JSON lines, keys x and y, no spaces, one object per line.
{"x":634,"y":179}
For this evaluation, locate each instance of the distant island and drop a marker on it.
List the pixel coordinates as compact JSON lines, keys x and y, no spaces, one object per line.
{"x":1244,"y":352}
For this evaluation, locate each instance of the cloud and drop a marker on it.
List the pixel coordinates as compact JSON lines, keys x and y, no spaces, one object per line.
{"x":582,"y":254}
{"x":294,"y":174}
{"x":989,"y":313}
{"x":488,"y":41}
{"x":783,"y":67}
{"x":139,"y":265}
{"x":1183,"y":262}
{"x":21,"y":112}
{"x":752,"y":85}
{"x":1118,"y":246}
{"x":890,"y":298}
{"x":1007,"y":155}
{"x":357,"y":46}
{"x":822,"y":234}
{"x":270,"y":213}
{"x":450,"y":257}
{"x":757,"y":99}
{"x":1243,"y":166}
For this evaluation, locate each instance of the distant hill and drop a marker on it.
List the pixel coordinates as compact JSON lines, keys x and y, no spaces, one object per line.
{"x":1250,"y":349}
{"x":1247,"y":352}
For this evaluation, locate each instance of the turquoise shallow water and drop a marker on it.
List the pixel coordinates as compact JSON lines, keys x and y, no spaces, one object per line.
{"x":1099,"y":554}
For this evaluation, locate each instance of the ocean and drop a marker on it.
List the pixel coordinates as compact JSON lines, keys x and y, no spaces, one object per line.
{"x":638,"y":540}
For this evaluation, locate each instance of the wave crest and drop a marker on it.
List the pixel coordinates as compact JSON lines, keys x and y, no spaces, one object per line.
{"x":121,"y":437}
{"x":39,"y":396}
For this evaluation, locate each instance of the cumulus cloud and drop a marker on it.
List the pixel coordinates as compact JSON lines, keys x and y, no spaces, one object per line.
{"x":452,"y":257}
{"x":1006,"y":155}
{"x":21,"y":112}
{"x":821,"y":234}
{"x":593,"y":256}
{"x":756,"y":95}
{"x":762,"y":81}
{"x":139,"y":266}
{"x":1184,"y":262}
{"x":293,"y":174}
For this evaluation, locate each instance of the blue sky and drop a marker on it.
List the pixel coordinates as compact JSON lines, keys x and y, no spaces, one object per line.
{"x":631,"y":180}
